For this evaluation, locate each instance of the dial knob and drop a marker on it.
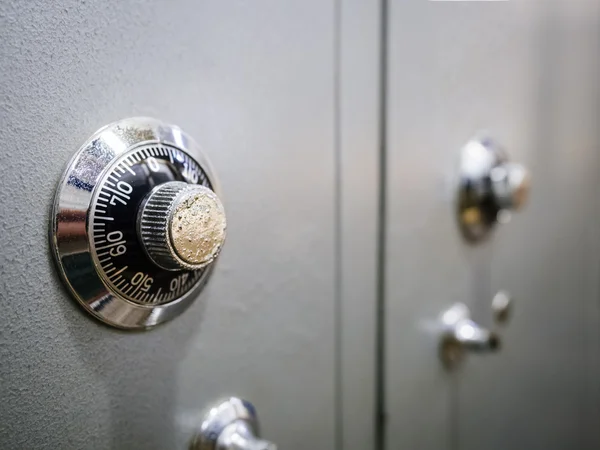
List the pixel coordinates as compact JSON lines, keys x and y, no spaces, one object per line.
{"x":182,"y":226}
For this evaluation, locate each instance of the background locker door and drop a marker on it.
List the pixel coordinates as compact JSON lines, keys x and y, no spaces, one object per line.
{"x":255,"y":84}
{"x":542,"y":391}
{"x":528,"y":74}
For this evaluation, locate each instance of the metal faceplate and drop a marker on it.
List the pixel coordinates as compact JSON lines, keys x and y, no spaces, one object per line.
{"x":95,"y":224}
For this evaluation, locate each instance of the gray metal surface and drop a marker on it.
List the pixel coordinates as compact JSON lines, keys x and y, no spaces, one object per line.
{"x":528,"y":74}
{"x":358,"y":126}
{"x":427,"y":264}
{"x":254,"y":84}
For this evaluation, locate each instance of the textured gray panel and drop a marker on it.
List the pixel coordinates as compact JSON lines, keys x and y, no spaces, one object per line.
{"x":253,"y":82}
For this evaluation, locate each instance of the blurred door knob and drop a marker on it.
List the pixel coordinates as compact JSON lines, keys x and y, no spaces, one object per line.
{"x":490,"y":187}
{"x":230,"y":425}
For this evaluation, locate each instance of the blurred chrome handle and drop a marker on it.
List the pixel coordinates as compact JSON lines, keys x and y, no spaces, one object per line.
{"x":461,"y":334}
{"x":230,"y":425}
{"x":470,"y":336}
{"x":240,"y":436}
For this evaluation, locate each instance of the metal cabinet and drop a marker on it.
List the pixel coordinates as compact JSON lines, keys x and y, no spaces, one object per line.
{"x":335,"y":129}
{"x":257,"y":85}
{"x":528,"y":74}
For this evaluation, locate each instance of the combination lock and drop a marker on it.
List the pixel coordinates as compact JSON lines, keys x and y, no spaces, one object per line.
{"x":137,"y":223}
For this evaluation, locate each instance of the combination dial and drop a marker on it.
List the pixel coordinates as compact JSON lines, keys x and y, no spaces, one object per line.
{"x":137,"y":223}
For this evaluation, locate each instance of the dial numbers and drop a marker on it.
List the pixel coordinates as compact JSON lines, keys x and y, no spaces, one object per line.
{"x":118,"y":253}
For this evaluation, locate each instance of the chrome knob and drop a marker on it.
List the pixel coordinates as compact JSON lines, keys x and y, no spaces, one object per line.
{"x":490,"y":187}
{"x":182,"y":226}
{"x":460,"y":334}
{"x":230,"y":425}
{"x":502,"y":307}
